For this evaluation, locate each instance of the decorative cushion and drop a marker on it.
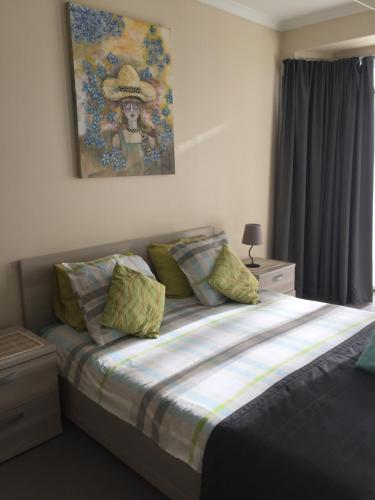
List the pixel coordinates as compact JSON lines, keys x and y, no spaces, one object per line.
{"x":61,"y":307}
{"x":366,"y":361}
{"x":167,"y":270}
{"x":135,"y":303}
{"x":91,"y":282}
{"x":233,"y":279}
{"x":65,"y":302}
{"x":197,"y":259}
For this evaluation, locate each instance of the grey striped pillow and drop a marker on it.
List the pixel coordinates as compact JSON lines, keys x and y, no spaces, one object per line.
{"x":91,"y":283}
{"x":196,"y":260}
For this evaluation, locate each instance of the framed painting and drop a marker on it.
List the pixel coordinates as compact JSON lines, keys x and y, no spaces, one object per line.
{"x":123,"y":91}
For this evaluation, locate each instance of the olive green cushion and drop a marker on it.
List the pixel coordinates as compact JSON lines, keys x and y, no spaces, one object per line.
{"x":167,"y":270}
{"x":135,"y":303}
{"x":65,"y":302}
{"x":233,"y":279}
{"x":366,"y":361}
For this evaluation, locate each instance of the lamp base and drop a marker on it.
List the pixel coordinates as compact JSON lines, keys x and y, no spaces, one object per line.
{"x":252,"y":265}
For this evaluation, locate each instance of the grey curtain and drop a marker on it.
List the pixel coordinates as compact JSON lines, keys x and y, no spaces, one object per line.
{"x":324,"y":178}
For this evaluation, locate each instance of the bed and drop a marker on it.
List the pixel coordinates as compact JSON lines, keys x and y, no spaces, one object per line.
{"x":223,"y":392}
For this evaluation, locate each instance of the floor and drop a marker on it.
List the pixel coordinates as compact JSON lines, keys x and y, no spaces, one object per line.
{"x":71,"y":467}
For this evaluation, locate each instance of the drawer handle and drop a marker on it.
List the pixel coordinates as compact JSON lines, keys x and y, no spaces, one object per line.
{"x":8,"y":378}
{"x":8,"y":422}
{"x":279,"y":277}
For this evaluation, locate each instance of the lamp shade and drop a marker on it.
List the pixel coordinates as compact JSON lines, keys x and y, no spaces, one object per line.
{"x":252,"y":234}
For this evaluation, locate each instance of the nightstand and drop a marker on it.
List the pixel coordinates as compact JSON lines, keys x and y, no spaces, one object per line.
{"x":275,"y":275}
{"x":29,"y":398}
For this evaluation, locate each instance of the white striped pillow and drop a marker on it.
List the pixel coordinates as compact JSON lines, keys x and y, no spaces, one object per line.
{"x":196,"y":260}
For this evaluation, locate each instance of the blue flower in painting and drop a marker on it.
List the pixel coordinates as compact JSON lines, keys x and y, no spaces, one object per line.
{"x":155,"y":51}
{"x":106,"y":158}
{"x":96,"y":122}
{"x":111,"y":117}
{"x":112,"y":58}
{"x":155,"y":118}
{"x":86,"y":87}
{"x":87,"y":67}
{"x":90,"y":25}
{"x":113,"y":158}
{"x":169,"y":96}
{"x":152,"y":157}
{"x":96,"y":127}
{"x":166,"y":111}
{"x":155,"y":155}
{"x":101,"y":72}
{"x":94,"y":139}
{"x":166,"y":127}
{"x":145,"y":74}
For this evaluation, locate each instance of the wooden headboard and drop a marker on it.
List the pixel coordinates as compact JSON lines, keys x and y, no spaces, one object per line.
{"x":36,"y":273}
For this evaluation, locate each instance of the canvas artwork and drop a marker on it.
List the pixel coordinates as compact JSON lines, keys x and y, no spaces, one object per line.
{"x":122,"y":76}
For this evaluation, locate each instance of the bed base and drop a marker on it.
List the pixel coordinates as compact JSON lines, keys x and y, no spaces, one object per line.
{"x":170,"y":475}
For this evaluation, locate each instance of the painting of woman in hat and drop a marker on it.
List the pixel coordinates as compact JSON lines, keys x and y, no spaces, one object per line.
{"x":132,"y":139}
{"x":123,"y":94}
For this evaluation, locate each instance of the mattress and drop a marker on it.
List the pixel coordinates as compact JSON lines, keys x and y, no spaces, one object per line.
{"x":206,"y":364}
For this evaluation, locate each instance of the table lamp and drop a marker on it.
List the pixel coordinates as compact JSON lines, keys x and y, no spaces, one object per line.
{"x":252,"y":235}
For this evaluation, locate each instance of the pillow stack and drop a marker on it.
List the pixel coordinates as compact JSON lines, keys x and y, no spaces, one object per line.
{"x":167,"y":271}
{"x":197,"y":259}
{"x":119,"y":295}
{"x":90,"y":284}
{"x":215,"y":272}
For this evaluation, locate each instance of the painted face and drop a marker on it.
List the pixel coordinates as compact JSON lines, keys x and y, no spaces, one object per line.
{"x":131,"y":109}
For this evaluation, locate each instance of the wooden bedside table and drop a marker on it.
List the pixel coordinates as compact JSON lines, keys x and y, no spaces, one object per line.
{"x":29,"y":398}
{"x":275,"y":275}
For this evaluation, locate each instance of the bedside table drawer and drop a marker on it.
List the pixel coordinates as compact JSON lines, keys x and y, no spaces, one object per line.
{"x":279,"y":280}
{"x":28,"y":425}
{"x":27,"y":381}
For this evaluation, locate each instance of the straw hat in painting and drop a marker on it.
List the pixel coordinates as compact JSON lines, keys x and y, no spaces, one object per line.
{"x":128,"y":84}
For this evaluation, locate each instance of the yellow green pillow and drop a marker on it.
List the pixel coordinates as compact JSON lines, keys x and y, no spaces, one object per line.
{"x":233,"y":279}
{"x":167,"y":270}
{"x":135,"y":303}
{"x":64,"y":301}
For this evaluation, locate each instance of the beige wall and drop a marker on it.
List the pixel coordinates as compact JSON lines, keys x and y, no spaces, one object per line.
{"x":329,"y":32}
{"x":225,"y":89}
{"x":358,"y":51}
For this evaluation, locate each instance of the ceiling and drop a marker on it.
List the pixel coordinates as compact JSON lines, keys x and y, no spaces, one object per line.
{"x":284,"y":15}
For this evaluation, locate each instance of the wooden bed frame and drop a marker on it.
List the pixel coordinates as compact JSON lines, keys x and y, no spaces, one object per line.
{"x":170,"y":475}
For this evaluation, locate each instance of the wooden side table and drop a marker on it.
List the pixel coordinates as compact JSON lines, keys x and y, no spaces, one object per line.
{"x":275,"y":275}
{"x":29,"y":398}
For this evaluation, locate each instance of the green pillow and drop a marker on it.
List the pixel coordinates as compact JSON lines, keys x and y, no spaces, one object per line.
{"x":366,"y":361}
{"x":167,"y":270}
{"x":64,"y":301}
{"x":135,"y":303}
{"x":233,"y":279}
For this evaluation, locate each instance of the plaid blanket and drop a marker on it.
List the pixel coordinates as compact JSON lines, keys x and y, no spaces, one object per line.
{"x":206,"y":364}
